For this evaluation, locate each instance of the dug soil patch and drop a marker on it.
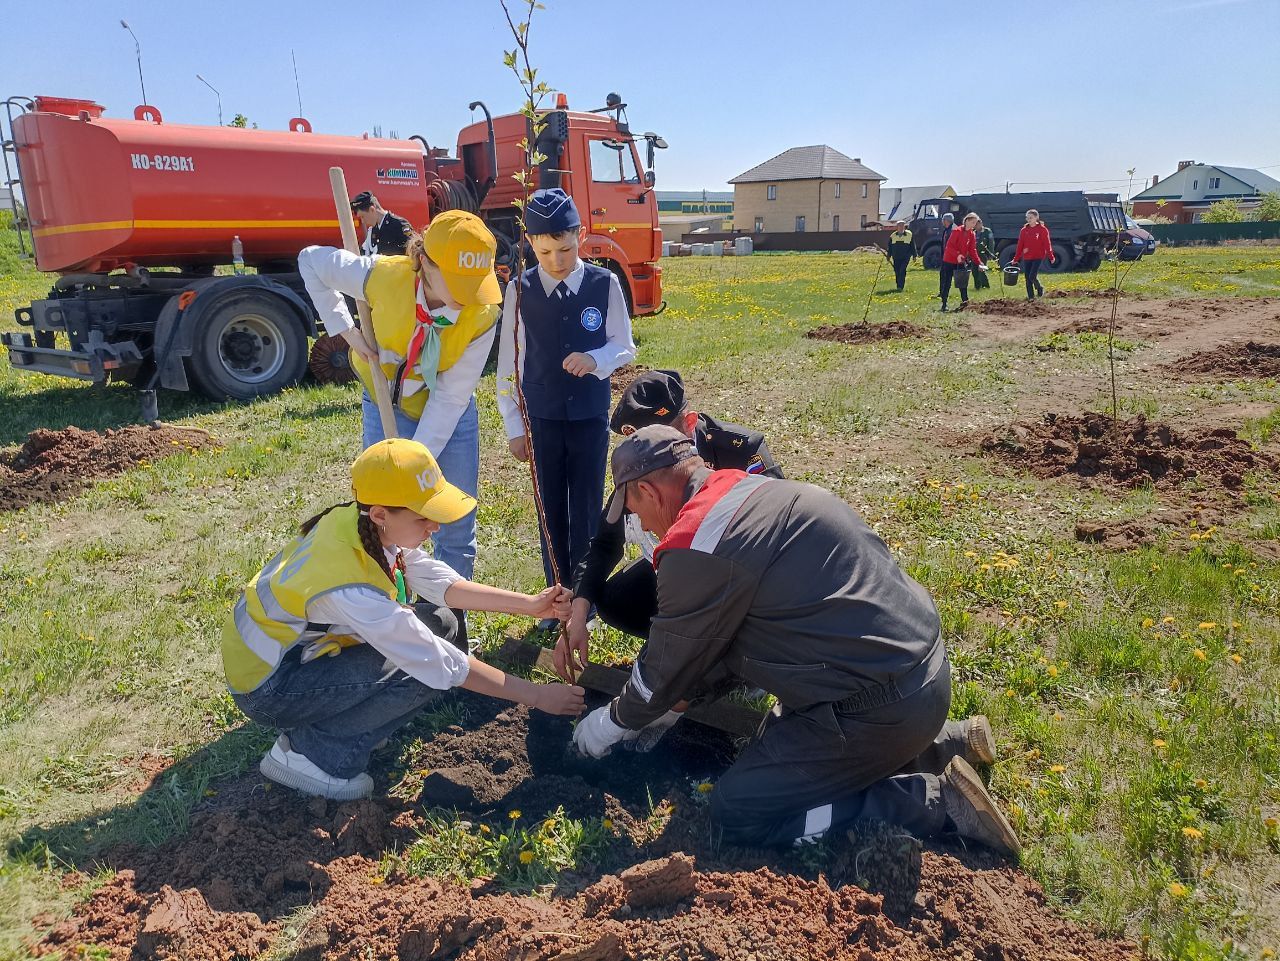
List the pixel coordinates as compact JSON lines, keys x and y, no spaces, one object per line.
{"x":661,"y":888}
{"x":52,"y":465}
{"x":1231,"y":361}
{"x":1130,"y":454}
{"x":866,"y":333}
{"x":1011,"y":307}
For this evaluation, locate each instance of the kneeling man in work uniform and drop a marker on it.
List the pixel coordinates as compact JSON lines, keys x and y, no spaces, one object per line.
{"x":782,"y":585}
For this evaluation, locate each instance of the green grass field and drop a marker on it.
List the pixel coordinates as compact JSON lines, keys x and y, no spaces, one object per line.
{"x":1134,"y":694}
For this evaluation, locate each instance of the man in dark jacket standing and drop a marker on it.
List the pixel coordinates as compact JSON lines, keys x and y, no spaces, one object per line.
{"x":627,"y":600}
{"x":902,"y":250}
{"x":782,"y":585}
{"x":385,"y":233}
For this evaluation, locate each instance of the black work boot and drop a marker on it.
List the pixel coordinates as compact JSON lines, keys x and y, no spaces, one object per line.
{"x":973,"y":812}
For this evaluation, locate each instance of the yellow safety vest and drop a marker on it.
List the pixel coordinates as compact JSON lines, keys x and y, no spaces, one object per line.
{"x":271,"y":615}
{"x":390,"y":293}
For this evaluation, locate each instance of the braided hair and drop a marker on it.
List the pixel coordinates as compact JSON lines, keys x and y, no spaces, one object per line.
{"x":370,"y":538}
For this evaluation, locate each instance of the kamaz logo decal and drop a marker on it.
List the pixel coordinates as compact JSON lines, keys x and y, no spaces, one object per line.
{"x":397,"y":173}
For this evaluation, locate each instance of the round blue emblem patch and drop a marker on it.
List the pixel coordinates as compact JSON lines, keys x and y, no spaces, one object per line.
{"x":592,"y":318}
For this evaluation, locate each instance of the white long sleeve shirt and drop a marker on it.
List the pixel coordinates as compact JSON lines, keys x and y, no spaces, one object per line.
{"x":392,"y":629}
{"x":618,"y":349}
{"x":329,"y":272}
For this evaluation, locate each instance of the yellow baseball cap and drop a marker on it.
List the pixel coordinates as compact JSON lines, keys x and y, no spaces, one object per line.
{"x":402,"y":473}
{"x":463,"y":248}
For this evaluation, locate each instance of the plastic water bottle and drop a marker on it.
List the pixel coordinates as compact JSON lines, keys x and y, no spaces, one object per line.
{"x":237,"y":254}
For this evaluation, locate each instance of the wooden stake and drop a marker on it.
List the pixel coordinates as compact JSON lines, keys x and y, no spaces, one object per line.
{"x":381,"y":389}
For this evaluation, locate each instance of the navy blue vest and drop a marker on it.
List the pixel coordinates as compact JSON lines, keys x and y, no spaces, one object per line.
{"x":554,"y":329}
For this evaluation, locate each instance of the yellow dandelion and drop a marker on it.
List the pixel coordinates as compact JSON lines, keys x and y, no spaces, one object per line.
{"x":549,"y":824}
{"x":1194,"y":833}
{"x":1058,"y":769}
{"x":1236,"y":658}
{"x":1201,"y":784}
{"x":1208,"y":625}
{"x":1199,"y":653}
{"x":705,"y":787}
{"x":1271,"y":823}
{"x":1010,"y":693}
{"x":1060,"y":605}
{"x":1051,"y":671}
{"x":1267,"y":954}
{"x":377,"y":879}
{"x":1168,"y":620}
{"x":608,"y":824}
{"x":514,"y":815}
{"x":970,"y":554}
{"x":484,"y":829}
{"x":1148,"y":622}
{"x":1159,"y":742}
{"x":1178,"y":890}
{"x":526,"y":857}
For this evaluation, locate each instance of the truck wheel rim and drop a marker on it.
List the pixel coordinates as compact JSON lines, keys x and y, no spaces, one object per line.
{"x":251,"y":349}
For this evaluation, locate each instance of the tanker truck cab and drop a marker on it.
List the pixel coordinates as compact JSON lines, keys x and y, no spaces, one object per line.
{"x":594,"y":157}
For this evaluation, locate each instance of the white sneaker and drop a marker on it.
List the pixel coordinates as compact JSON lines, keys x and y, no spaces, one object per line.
{"x":293,"y":770}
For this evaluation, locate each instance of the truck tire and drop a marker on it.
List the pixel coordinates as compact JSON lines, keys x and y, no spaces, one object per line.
{"x":1006,"y":255}
{"x":1064,"y":259}
{"x":250,"y":344}
{"x":932,"y":257}
{"x":1091,"y":261}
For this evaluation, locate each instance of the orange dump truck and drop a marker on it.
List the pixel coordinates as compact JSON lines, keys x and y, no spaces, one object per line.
{"x":134,"y":215}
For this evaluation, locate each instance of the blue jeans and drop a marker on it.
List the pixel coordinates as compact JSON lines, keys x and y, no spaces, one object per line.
{"x":454,"y":544}
{"x":336,"y":709}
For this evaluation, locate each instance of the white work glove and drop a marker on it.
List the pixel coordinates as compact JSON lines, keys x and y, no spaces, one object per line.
{"x":597,"y":733}
{"x":647,"y":737}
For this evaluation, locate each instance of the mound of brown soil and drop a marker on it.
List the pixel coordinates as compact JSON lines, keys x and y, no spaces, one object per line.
{"x":866,"y":333}
{"x":1107,"y":292}
{"x":247,"y":865}
{"x":1232,"y":360}
{"x":1128,"y":454}
{"x":624,"y":375}
{"x":53,"y":465}
{"x":1009,"y":307}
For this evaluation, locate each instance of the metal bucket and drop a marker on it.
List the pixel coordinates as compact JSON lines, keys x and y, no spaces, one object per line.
{"x":1010,"y":274}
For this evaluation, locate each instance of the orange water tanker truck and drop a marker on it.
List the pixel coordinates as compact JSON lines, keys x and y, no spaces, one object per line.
{"x":135,"y":216}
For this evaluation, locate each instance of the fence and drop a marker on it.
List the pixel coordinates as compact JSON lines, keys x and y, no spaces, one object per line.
{"x":1182,"y":235}
{"x":824,"y":240}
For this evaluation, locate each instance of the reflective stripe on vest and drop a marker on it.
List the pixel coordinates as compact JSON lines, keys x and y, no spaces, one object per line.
{"x":707,"y":537}
{"x":269,"y":617}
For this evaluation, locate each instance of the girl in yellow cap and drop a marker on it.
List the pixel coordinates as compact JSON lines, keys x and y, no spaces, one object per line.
{"x":324,"y":645}
{"x":434,"y":310}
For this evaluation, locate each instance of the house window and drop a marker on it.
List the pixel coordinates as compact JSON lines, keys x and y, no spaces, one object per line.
{"x":864,"y":191}
{"x":835,"y":219}
{"x":800,"y":224}
{"x":837,"y":191}
{"x":864,"y":220}
{"x":1215,"y":183}
{"x":759,"y":227}
{"x":1195,"y":185}
{"x":771,"y":192}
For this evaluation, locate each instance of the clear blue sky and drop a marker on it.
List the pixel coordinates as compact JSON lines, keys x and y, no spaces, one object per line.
{"x":922,"y":91}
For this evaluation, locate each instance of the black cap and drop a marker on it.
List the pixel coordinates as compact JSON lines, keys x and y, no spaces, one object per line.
{"x":654,"y":397}
{"x":647,"y":450}
{"x":362,"y":201}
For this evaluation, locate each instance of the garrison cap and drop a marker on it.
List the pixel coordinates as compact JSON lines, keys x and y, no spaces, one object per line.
{"x":362,"y":201}
{"x":550,"y":211}
{"x":647,"y":450}
{"x":654,"y":397}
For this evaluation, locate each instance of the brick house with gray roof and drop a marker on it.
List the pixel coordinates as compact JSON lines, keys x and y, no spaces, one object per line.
{"x":813,"y":188}
{"x":1184,"y":196}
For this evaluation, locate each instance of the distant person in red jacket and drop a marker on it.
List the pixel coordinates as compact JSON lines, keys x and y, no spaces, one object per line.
{"x":1034,"y":246}
{"x":958,"y":258}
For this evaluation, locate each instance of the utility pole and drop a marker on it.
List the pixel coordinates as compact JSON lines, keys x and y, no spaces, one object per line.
{"x":137,"y":49}
{"x":215,"y":93}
